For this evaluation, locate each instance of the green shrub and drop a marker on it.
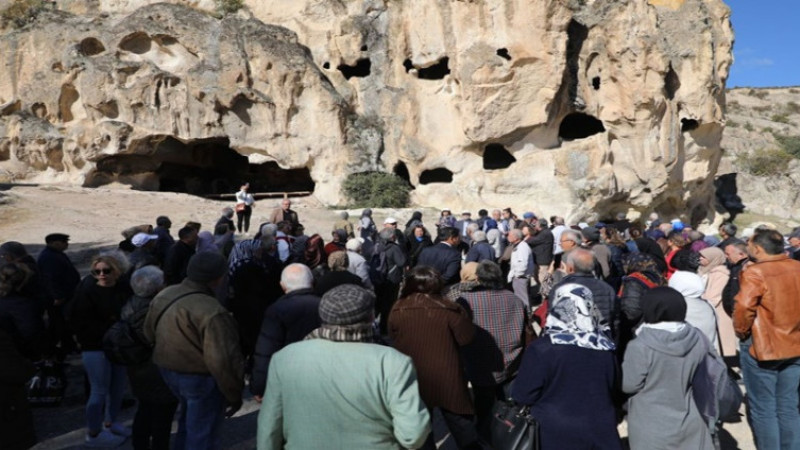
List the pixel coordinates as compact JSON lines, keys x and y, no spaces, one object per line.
{"x":748,"y":126}
{"x":758,"y":94}
{"x":764,"y":162}
{"x":376,"y":190}
{"x":790,"y":144}
{"x":732,"y":123}
{"x":792,"y":108}
{"x":780,"y":118}
{"x":228,"y":6}
{"x":22,"y":12}
{"x":794,"y":91}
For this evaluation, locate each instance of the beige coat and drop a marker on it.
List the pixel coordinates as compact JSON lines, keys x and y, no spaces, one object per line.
{"x":716,"y":279}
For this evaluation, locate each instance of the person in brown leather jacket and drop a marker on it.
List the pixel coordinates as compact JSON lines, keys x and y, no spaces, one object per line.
{"x":766,"y":318}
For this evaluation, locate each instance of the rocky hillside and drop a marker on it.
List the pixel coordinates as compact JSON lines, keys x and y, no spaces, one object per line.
{"x":575,"y":107}
{"x":761,"y":146}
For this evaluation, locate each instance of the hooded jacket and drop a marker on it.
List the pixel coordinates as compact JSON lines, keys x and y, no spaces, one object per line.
{"x":699,"y":313}
{"x":658,"y":370}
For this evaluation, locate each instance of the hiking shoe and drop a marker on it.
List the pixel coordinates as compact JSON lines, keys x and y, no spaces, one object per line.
{"x":120,"y":430}
{"x":104,"y":439}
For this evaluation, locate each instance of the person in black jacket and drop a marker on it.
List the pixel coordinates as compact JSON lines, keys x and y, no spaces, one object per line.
{"x":338,"y":275}
{"x":58,"y":278}
{"x":96,"y":307}
{"x":20,"y":313}
{"x":542,"y":245}
{"x":480,"y":249}
{"x":286,"y":321}
{"x":16,"y":420}
{"x":178,"y":256}
{"x":152,"y":424}
{"x":737,"y":259}
{"x":444,"y":256}
{"x":580,"y":266}
{"x":393,"y":262}
{"x":418,"y":240}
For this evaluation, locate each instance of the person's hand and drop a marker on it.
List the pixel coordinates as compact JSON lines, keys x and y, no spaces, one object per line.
{"x":232,"y":408}
{"x":258,"y":398}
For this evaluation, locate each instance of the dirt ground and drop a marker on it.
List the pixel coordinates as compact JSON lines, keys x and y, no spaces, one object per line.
{"x":95,"y":218}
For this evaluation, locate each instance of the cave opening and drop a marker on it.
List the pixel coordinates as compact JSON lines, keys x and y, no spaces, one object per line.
{"x":495,"y":156}
{"x":596,"y":83}
{"x":438,"y":175}
{"x":727,"y":195}
{"x":360,"y":70}
{"x":503,"y":53}
{"x":401,"y":170}
{"x":436,"y":71}
{"x":199,"y":167}
{"x":579,"y":126}
{"x":671,"y":83}
{"x":689,"y":125}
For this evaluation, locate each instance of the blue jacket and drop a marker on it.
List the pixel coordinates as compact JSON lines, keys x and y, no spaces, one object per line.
{"x":445,"y":259}
{"x":480,"y":251}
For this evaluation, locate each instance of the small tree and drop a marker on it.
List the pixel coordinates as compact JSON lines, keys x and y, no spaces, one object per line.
{"x":376,"y":190}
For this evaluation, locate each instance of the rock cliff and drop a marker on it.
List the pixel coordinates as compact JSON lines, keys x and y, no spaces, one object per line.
{"x":571,"y":107}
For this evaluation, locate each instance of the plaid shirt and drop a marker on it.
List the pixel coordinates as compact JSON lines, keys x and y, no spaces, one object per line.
{"x":493,"y":356}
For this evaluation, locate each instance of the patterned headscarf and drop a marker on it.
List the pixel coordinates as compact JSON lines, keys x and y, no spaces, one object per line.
{"x":573,"y":319}
{"x":242,"y":253}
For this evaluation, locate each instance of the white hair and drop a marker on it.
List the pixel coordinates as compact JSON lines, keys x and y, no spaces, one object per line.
{"x":297,"y":276}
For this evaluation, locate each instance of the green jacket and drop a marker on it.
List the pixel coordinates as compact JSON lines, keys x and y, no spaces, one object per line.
{"x":341,"y":395}
{"x":196,"y":335}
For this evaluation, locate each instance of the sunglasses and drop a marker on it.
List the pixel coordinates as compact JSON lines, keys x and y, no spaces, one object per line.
{"x":105,"y":271}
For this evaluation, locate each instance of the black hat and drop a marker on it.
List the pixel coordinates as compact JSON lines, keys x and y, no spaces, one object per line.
{"x":663,"y":304}
{"x":56,"y":237}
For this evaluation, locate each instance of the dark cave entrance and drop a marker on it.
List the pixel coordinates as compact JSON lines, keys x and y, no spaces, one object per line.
{"x":439,"y":175}
{"x":579,"y":126}
{"x":199,"y":167}
{"x":495,"y":156}
{"x":401,"y":170}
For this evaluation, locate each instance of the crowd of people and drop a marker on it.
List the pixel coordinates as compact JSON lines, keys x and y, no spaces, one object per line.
{"x":356,"y":341}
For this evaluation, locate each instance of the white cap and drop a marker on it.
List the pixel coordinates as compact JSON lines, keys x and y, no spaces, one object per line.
{"x":140,"y":239}
{"x":390,"y":220}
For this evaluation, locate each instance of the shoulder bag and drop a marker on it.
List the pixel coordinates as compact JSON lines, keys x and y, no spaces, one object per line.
{"x":513,"y":428}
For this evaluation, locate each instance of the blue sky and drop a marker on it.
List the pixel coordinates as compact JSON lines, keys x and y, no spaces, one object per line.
{"x":767,"y":47}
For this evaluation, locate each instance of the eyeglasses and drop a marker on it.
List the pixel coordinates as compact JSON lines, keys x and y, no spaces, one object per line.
{"x":105,"y":271}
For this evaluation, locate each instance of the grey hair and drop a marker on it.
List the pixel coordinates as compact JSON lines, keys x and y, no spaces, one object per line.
{"x":387,"y":234}
{"x":227,"y":212}
{"x":354,"y":245}
{"x":147,"y":281}
{"x":543,"y":223}
{"x":268,"y":242}
{"x":572,"y":235}
{"x":478,"y":236}
{"x":269,"y":229}
{"x":473,"y":227}
{"x":297,"y":276}
{"x":558,"y":221}
{"x":581,"y":260}
{"x":729,"y":229}
{"x":344,"y":215}
{"x":516,"y":232}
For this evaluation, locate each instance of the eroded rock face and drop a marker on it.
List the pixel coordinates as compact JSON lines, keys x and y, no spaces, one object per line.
{"x":159,"y":99}
{"x":576,"y":108}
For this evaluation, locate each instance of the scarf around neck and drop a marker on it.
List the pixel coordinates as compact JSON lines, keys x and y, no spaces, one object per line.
{"x":357,"y":332}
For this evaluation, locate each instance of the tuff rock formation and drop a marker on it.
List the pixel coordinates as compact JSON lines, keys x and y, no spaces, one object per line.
{"x":573,"y":107}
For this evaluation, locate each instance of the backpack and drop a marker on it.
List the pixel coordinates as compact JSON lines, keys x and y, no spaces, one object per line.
{"x":122,"y":345}
{"x":716,"y":394}
{"x":377,"y":268}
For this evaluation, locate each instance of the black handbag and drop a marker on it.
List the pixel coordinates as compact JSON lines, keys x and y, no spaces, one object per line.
{"x":513,"y":428}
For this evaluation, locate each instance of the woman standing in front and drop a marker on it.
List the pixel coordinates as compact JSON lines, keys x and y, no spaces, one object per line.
{"x":568,"y":375}
{"x":96,"y":307}
{"x":430,"y":329}
{"x":244,"y":207}
{"x":657,"y":370}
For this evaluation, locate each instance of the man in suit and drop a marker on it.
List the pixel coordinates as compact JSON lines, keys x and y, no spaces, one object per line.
{"x":285,"y":212}
{"x":444,"y":256}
